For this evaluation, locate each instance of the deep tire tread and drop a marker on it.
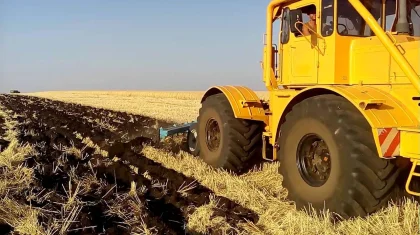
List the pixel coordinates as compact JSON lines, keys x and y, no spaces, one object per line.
{"x":244,"y":136}
{"x":370,"y":179}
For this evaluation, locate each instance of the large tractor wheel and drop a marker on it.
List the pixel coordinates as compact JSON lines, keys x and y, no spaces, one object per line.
{"x":328,"y":159}
{"x":225,"y":141}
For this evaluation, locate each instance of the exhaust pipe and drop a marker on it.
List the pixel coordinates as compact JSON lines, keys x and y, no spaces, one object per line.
{"x":402,"y":24}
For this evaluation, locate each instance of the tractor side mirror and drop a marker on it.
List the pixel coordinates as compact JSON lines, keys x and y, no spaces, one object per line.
{"x":296,"y":16}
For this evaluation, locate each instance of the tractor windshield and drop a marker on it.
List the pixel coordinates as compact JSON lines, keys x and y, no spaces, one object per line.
{"x":414,"y":16}
{"x":350,"y":23}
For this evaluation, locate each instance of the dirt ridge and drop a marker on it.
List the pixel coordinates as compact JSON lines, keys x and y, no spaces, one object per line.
{"x":57,"y":122}
{"x":3,"y":143}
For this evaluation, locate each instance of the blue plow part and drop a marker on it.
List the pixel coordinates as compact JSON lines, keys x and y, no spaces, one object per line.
{"x":164,"y":132}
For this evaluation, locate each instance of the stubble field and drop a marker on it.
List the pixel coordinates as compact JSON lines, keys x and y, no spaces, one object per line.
{"x":90,"y":163}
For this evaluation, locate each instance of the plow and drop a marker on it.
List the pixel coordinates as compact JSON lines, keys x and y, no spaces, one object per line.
{"x":189,"y":128}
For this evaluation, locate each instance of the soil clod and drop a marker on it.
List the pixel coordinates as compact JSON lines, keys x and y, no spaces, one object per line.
{"x":119,"y":193}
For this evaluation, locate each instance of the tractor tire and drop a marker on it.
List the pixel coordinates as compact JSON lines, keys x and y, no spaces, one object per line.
{"x":346,"y":176}
{"x":225,"y":141}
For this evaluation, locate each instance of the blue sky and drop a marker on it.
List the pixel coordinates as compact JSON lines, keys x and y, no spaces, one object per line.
{"x":131,"y":44}
{"x":136,"y":45}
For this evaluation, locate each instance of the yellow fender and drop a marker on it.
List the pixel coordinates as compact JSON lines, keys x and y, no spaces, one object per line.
{"x":386,"y":114}
{"x":244,"y":102}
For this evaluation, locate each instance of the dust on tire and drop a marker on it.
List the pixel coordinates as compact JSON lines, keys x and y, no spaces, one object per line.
{"x":359,"y":182}
{"x":241,"y":140}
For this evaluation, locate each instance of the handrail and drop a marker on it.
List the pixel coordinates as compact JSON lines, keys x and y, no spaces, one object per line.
{"x":318,"y":36}
{"x":388,"y":44}
{"x":269,"y":80}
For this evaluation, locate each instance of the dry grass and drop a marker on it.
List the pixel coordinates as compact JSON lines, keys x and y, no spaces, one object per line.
{"x":18,"y":179}
{"x":202,"y":220}
{"x":14,"y":178}
{"x":259,"y":190}
{"x":162,"y":105}
{"x":23,"y":218}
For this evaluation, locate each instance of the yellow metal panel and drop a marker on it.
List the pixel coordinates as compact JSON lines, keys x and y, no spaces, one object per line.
{"x":391,"y":113}
{"x":278,"y":103}
{"x":244,"y":102}
{"x":411,"y":49}
{"x":362,"y":70}
{"x":366,"y":50}
{"x":405,"y":94}
{"x":335,"y":67}
{"x":304,"y":62}
{"x":410,"y":143}
{"x":389,"y":43}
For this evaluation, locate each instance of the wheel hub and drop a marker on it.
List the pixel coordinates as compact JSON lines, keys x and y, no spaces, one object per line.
{"x":313,"y":160}
{"x":192,"y":140}
{"x":212,"y":135}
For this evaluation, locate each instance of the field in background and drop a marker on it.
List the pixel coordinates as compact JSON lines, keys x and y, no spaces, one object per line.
{"x":259,"y":191}
{"x":177,"y":106}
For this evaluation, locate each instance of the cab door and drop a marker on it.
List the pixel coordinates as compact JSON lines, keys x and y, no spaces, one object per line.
{"x":304,"y":62}
{"x":303,"y":57}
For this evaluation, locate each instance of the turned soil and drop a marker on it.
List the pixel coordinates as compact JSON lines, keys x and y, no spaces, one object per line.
{"x":3,"y":143}
{"x":106,"y":198}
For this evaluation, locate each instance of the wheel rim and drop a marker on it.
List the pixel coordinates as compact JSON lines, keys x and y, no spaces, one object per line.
{"x":192,"y":140}
{"x":212,"y":135}
{"x":313,"y":160}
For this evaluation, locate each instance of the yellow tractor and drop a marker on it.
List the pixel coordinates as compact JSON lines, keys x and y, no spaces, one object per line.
{"x":343,"y":109}
{"x":343,"y":112}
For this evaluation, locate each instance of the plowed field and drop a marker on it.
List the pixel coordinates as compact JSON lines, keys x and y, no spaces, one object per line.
{"x":69,"y":168}
{"x":113,"y":190}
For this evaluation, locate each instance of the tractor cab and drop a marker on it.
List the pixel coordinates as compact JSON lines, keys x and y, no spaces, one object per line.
{"x":338,"y":44}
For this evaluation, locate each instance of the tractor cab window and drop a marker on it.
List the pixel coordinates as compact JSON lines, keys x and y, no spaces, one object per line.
{"x":414,"y":16}
{"x":349,"y":21}
{"x":308,"y":25}
{"x":309,"y":20}
{"x":327,"y":18}
{"x":390,"y":15}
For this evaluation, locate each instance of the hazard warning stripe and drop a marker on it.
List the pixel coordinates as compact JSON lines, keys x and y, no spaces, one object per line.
{"x":389,"y":139}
